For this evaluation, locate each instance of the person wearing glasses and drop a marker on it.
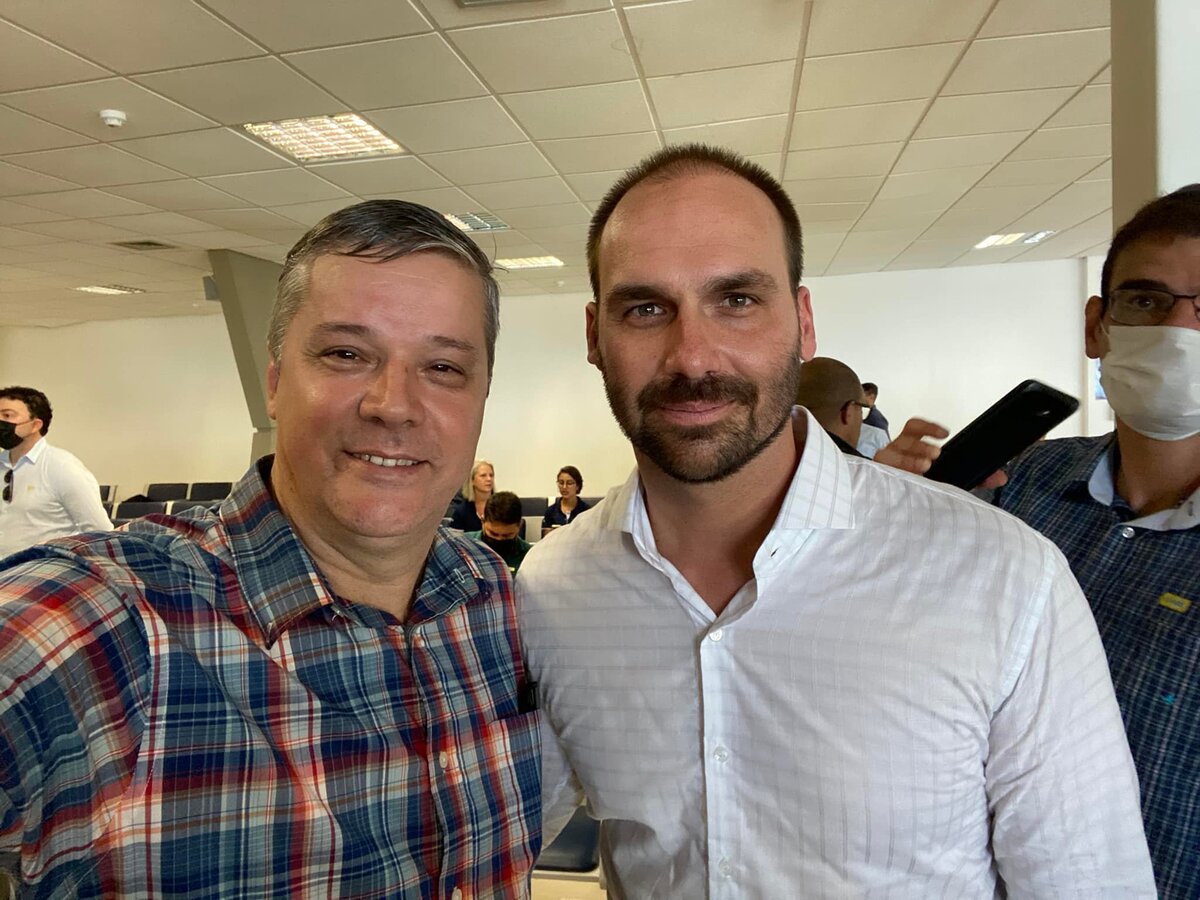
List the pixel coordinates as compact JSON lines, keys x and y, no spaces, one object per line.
{"x":48,"y":492}
{"x":564,"y":510}
{"x":831,"y":391}
{"x":1125,"y":510}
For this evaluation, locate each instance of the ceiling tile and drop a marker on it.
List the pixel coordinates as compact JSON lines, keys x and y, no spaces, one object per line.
{"x":700,"y":98}
{"x":82,"y":230}
{"x":598,"y":154}
{"x":215,"y":151}
{"x":559,"y":239}
{"x":277,"y":188}
{"x":1039,"y":171}
{"x":526,"y":192}
{"x":454,"y":125}
{"x":95,"y":165}
{"x":1024,"y":196}
{"x":396,"y":72}
{"x":598,"y":109}
{"x":155,"y":224}
{"x":929,"y":254}
{"x":286,"y":25}
{"x":833,"y":190}
{"x":548,"y":53}
{"x":185,"y":194}
{"x":29,"y":61}
{"x":772,"y":162}
{"x":983,"y":113}
{"x":218,"y":240}
{"x":15,"y":237}
{"x":1100,"y":173}
{"x":907,"y":73}
{"x":87,"y":204}
{"x":378,"y":176}
{"x":444,"y":200}
{"x":1057,"y":143}
{"x":1076,"y":241}
{"x":20,"y":133}
{"x":811,"y":213}
{"x":1091,"y":106}
{"x":745,"y":136}
{"x":77,"y":106}
{"x":938,"y":188}
{"x":850,"y":26}
{"x":841,"y":162}
{"x":719,"y":34}
{"x":1071,"y":205}
{"x":1035,"y":16}
{"x":15,"y":213}
{"x":238,"y":219}
{"x":1035,"y":61}
{"x":1104,"y":76}
{"x":511,"y":162}
{"x":309,"y":214}
{"x":448,"y":14}
{"x":15,"y":181}
{"x":558,"y":214}
{"x":895,"y":217}
{"x":967,"y":150}
{"x":848,"y":125}
{"x":250,"y":90}
{"x":132,"y":35}
{"x":592,"y":186}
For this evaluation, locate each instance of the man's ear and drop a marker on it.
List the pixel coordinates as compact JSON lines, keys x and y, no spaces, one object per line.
{"x":591,"y":315}
{"x":844,"y":413}
{"x":808,"y":328}
{"x":272,"y":387}
{"x":1095,"y":342}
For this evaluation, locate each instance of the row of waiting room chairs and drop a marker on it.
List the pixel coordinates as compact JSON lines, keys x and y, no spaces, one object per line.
{"x":163,"y":497}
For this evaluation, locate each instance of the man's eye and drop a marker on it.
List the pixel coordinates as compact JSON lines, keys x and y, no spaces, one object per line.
{"x":342,"y":353}
{"x":738,"y":301}
{"x":646,"y":310}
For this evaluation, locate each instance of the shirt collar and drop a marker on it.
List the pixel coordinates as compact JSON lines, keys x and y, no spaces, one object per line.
{"x":33,"y":454}
{"x":820,"y":494}
{"x":282,"y":584}
{"x":1095,"y":472}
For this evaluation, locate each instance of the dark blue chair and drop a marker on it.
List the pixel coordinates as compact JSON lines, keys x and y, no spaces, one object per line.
{"x":577,"y":847}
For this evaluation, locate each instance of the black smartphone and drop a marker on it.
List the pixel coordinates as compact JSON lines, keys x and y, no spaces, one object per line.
{"x":1012,"y":423}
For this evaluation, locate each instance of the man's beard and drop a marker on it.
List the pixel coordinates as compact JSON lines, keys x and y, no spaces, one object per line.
{"x":701,"y":454}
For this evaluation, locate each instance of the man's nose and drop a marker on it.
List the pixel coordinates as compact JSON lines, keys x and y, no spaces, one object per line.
{"x":393,"y":396}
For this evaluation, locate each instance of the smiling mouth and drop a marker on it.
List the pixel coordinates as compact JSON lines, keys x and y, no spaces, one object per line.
{"x":387,"y":462}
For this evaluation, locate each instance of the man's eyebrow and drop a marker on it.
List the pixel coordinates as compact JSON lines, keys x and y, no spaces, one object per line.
{"x":643,"y":292}
{"x":1146,"y":284}
{"x":635,"y":292}
{"x":355,"y":329}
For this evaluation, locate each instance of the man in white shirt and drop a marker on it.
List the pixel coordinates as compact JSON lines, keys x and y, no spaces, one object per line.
{"x":779,"y":671}
{"x":48,"y":492}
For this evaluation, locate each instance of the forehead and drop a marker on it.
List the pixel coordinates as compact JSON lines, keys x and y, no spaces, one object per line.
{"x":711,"y":214}
{"x":502,"y":527}
{"x":11,"y":405}
{"x":1173,"y":260}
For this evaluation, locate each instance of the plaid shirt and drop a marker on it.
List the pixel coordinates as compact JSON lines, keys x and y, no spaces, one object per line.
{"x":1142,"y":578}
{"x":186,"y":710}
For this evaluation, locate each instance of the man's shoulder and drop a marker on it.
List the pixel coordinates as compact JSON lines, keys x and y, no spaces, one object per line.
{"x":1053,"y":456}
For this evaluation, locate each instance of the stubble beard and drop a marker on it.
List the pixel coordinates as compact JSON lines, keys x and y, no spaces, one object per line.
{"x":703,"y":454}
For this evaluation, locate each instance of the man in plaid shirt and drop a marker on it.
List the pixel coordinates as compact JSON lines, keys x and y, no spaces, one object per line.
{"x":314,"y":690}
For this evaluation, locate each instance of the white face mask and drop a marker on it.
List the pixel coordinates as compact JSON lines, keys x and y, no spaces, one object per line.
{"x":1151,"y":376}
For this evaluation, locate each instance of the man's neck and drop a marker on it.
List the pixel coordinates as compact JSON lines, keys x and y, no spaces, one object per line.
{"x":1156,"y":475}
{"x":711,"y":532}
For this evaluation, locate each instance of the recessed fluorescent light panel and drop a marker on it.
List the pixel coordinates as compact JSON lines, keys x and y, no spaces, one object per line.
{"x":999,"y":240}
{"x":322,"y":138}
{"x":109,"y":289}
{"x":529,"y":262}
{"x":1037,"y":237}
{"x":480,"y":221}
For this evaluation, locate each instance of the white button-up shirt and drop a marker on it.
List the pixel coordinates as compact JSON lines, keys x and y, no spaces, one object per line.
{"x":54,"y":495}
{"x":908,"y":700}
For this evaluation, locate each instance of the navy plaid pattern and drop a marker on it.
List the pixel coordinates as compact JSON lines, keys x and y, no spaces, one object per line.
{"x":1153,"y":644}
{"x":186,"y":710}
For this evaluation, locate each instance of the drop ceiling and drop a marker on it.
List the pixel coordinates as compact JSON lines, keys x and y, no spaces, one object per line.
{"x":905,"y":130}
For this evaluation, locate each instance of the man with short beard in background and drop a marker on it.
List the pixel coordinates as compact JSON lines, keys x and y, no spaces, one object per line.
{"x":780,"y":671}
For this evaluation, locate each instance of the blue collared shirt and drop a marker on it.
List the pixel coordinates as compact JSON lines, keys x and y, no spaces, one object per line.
{"x":1141,"y":575}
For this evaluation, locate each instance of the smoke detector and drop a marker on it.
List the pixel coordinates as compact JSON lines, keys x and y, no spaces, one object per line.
{"x":113,"y":118}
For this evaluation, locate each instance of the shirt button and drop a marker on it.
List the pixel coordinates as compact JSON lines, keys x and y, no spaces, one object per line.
{"x":444,"y":759}
{"x":716,"y":635}
{"x":725,"y":868}
{"x":720,"y":753}
{"x":1127,"y":532}
{"x":456,"y":894}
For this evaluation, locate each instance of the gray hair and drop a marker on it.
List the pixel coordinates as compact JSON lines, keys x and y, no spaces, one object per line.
{"x":381,"y":230}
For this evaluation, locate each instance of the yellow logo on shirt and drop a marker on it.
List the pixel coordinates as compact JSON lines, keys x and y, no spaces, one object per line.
{"x":1175,"y":602}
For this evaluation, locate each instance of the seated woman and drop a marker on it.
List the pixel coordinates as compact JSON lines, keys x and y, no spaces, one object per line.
{"x":467,"y":514}
{"x":568,"y":505}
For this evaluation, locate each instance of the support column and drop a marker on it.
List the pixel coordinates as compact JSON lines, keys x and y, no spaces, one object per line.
{"x":1155,"y":100}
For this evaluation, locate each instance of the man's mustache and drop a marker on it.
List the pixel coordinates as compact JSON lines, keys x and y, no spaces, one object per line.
{"x":710,"y":389}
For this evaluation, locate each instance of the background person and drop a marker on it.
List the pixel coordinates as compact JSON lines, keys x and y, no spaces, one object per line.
{"x":502,"y":529}
{"x":829,"y":389}
{"x":468,"y":512}
{"x":48,"y":492}
{"x":568,"y":505}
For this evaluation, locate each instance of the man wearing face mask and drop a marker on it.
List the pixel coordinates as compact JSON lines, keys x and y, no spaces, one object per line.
{"x":1125,"y":509}
{"x":502,"y":528}
{"x":48,"y":492}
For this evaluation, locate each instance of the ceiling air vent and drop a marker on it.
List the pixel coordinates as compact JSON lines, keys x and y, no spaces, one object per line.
{"x":144,"y":245}
{"x":476,"y":221}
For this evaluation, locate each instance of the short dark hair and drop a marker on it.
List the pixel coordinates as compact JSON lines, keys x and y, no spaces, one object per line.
{"x":503,"y":508}
{"x":870,"y":387}
{"x":574,"y":473}
{"x":379,"y":230}
{"x":35,"y":401}
{"x":1176,"y":214}
{"x":685,"y":159}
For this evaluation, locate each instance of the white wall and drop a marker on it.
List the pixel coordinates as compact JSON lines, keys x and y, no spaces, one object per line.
{"x":138,"y":400}
{"x":941,"y":343}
